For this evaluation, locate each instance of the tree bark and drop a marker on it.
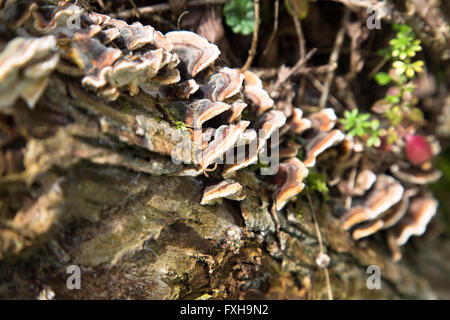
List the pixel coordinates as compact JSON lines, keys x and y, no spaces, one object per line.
{"x":95,"y":195}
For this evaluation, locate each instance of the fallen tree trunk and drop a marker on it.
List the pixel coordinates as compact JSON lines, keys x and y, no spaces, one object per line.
{"x":137,"y":230}
{"x":80,"y":189}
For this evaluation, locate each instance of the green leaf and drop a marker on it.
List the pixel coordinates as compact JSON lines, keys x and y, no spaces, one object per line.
{"x":240,"y":16}
{"x":382,"y":78}
{"x":373,"y":141}
{"x":301,"y":8}
{"x":416,"y":115}
{"x":399,"y":67}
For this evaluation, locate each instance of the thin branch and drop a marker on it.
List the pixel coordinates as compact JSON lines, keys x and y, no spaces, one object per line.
{"x":333,"y":60}
{"x":252,"y":51}
{"x":377,"y":68}
{"x":319,"y":238}
{"x":268,"y":73}
{"x":135,"y":9}
{"x":357,"y":3}
{"x":299,"y":31}
{"x":181,"y":17}
{"x":320,"y":87}
{"x":301,"y":43}
{"x":317,"y":70}
{"x":351,"y":185}
{"x":275,"y":28}
{"x":298,"y":66}
{"x":161,"y":7}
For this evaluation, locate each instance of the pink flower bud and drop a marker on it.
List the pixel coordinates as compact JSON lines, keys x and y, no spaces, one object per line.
{"x":418,"y":150}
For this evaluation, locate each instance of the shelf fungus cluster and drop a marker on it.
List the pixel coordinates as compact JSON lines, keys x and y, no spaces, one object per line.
{"x":232,"y":120}
{"x":110,"y":55}
{"x":396,"y":201}
{"x":25,"y":65}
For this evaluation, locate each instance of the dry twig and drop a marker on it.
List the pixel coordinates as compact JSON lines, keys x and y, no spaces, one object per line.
{"x":299,"y":31}
{"x":319,"y":238}
{"x":252,"y":51}
{"x":275,"y":27}
{"x":298,"y":66}
{"x":161,"y":7}
{"x":333,"y":60}
{"x":320,"y":87}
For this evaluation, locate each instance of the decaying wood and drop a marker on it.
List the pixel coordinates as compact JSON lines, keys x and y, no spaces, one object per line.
{"x":95,"y":194}
{"x":137,"y":231}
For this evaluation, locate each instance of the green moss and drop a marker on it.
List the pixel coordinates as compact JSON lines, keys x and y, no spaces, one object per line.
{"x":316,"y":182}
{"x":179,"y":125}
{"x":126,"y":107}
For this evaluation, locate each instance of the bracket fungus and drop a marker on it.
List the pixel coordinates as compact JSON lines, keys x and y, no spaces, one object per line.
{"x":320,"y":143}
{"x":223,"y":84}
{"x":289,"y":178}
{"x":254,"y":90}
{"x":394,"y":214}
{"x":363,"y":182}
{"x":323,"y":120}
{"x":200,"y":111}
{"x":290,"y":149}
{"x":414,"y":223}
{"x":25,"y":65}
{"x":415,"y":176}
{"x":224,"y":139}
{"x":268,"y":123}
{"x":225,"y":189}
{"x":387,"y":205}
{"x":236,"y":110}
{"x":386,"y":192}
{"x":298,"y":124}
{"x":194,"y":51}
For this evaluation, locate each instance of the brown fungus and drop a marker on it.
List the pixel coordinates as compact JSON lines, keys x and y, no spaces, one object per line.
{"x":363,"y":182}
{"x":414,"y":223}
{"x":298,"y":124}
{"x":394,"y":214}
{"x":224,"y":139}
{"x":416,"y":176}
{"x":386,"y":193}
{"x":320,"y":143}
{"x":290,"y":175}
{"x":200,"y":111}
{"x":223,"y":84}
{"x":236,"y":110}
{"x":194,"y":51}
{"x":25,"y":65}
{"x":268,"y":123}
{"x":367,"y":229}
{"x":226,"y":189}
{"x":323,"y":120}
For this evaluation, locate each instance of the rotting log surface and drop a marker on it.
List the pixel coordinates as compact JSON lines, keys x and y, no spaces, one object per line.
{"x":93,"y":195}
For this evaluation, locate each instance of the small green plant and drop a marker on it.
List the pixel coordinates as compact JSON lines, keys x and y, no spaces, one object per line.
{"x":299,"y":212}
{"x":240,"y":16}
{"x":402,"y":49}
{"x":317,"y":181}
{"x":358,"y":124}
{"x":179,"y":125}
{"x":399,"y":101}
{"x":126,"y":106}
